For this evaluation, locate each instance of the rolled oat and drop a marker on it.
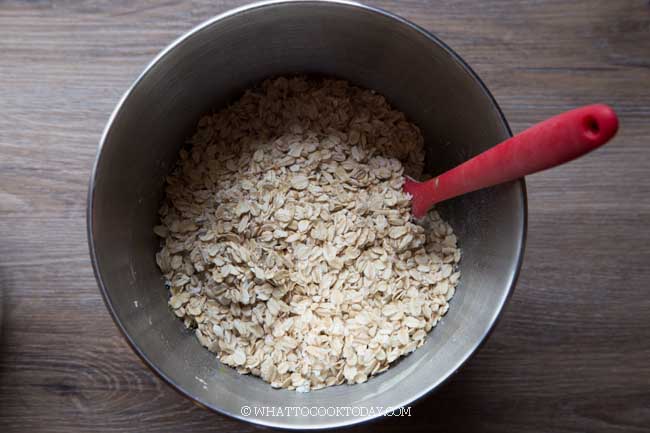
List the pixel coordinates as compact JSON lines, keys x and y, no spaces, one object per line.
{"x":287,"y":242}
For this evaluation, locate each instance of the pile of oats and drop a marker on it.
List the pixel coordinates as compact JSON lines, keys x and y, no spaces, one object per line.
{"x":287,"y":241}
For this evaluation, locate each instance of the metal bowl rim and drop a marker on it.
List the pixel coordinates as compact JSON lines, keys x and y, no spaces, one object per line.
{"x":268,"y":422}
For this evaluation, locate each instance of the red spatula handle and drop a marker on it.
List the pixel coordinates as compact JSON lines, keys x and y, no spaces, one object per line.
{"x":547,"y":144}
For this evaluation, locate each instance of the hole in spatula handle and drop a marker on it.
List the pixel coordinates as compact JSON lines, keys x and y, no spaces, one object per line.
{"x":592,"y":127}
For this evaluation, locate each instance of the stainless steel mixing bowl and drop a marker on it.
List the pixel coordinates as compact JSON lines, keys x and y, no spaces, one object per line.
{"x":210,"y":66}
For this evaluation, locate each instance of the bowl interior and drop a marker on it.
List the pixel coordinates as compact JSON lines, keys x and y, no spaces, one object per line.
{"x":211,"y":67}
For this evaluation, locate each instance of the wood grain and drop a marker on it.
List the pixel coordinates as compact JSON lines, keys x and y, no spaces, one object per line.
{"x":572,"y":352}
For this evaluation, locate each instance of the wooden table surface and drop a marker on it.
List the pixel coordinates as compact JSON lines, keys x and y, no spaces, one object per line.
{"x":572,"y":351}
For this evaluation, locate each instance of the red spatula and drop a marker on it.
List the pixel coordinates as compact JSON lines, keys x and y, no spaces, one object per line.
{"x":544,"y":145}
